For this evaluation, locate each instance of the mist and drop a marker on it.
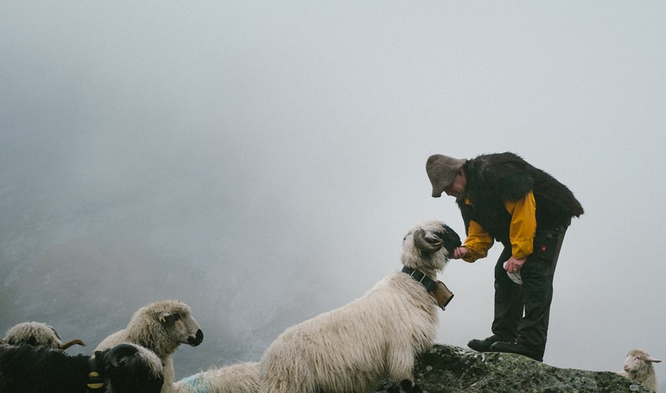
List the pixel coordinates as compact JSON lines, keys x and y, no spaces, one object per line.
{"x":262,"y":162}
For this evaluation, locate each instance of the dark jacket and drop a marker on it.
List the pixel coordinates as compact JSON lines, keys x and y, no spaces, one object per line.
{"x":494,"y":178}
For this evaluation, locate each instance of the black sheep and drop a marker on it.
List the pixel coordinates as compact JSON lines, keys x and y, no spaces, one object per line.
{"x":125,"y":368}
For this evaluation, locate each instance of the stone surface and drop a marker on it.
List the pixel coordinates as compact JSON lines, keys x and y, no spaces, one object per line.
{"x":447,"y":368}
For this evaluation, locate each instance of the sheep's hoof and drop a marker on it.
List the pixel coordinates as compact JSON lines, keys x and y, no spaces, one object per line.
{"x":406,"y":386}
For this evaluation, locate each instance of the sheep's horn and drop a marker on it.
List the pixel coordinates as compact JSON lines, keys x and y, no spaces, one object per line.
{"x":54,"y":331}
{"x":70,"y":343}
{"x":424,"y":245}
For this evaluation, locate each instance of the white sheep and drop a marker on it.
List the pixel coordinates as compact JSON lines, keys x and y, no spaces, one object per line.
{"x":125,"y":368}
{"x":161,"y":327}
{"x":638,"y":367}
{"x":352,"y":348}
{"x":37,"y":334}
{"x":237,"y":378}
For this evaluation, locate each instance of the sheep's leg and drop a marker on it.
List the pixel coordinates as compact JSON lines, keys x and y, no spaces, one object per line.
{"x":401,"y":361}
{"x":401,"y":368}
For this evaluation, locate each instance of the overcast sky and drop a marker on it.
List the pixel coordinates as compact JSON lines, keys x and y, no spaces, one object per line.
{"x":262,"y":161}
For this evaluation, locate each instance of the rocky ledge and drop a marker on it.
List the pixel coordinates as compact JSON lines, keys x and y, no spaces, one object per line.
{"x":447,"y":368}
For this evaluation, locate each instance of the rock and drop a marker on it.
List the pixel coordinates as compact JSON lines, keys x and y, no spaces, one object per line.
{"x":447,"y":368}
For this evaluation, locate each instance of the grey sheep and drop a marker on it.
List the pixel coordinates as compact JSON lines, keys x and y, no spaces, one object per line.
{"x":37,"y":334}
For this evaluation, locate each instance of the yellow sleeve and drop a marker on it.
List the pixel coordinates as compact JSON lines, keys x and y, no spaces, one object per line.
{"x":478,"y":242}
{"x":523,"y":225}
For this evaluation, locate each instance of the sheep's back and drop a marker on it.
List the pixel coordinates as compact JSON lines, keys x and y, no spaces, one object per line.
{"x":57,"y":370}
{"x":237,"y":378}
{"x":112,"y":340}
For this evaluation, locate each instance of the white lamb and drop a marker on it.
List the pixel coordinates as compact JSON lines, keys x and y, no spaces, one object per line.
{"x":37,"y":334}
{"x":638,"y":366}
{"x":161,"y":327}
{"x":237,"y":378}
{"x":352,"y":348}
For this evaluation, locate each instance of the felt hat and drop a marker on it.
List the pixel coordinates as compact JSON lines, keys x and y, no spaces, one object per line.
{"x":442,"y":170}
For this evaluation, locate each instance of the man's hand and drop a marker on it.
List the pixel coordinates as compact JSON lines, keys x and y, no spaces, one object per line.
{"x":459,"y":252}
{"x":514,"y":265}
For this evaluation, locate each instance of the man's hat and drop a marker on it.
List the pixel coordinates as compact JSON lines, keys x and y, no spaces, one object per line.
{"x":442,"y":170}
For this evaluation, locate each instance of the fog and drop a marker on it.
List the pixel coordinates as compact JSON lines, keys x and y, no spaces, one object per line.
{"x":262,"y":161}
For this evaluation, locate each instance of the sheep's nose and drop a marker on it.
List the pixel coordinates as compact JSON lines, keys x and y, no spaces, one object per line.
{"x":194,"y":341}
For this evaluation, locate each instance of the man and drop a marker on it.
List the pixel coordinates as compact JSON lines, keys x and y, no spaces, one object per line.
{"x":504,"y":198}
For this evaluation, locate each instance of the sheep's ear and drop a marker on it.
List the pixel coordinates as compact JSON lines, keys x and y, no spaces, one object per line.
{"x":167,"y":320}
{"x":652,"y":360}
{"x":118,"y":354}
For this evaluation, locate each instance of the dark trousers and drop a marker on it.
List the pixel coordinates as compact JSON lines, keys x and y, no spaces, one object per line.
{"x":522,"y":311}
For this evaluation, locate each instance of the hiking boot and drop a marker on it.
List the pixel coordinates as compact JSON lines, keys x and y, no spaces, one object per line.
{"x":483,"y":345}
{"x":516,"y":347}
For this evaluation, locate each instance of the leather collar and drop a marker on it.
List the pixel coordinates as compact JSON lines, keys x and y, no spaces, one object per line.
{"x":421,"y":277}
{"x":95,"y":382}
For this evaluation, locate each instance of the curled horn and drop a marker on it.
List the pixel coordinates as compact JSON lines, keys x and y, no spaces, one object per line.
{"x":73,"y":342}
{"x":423,"y":244}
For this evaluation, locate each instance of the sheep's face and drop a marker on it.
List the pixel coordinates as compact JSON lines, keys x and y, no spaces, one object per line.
{"x":429,"y":245}
{"x":132,"y":369}
{"x":177,"y":320}
{"x":637,"y":359}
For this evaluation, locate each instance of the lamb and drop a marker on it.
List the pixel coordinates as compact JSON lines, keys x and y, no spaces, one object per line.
{"x":237,"y":378}
{"x":161,"y":327}
{"x":125,"y":368}
{"x":37,"y":334}
{"x":638,"y":366}
{"x":352,"y":348}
